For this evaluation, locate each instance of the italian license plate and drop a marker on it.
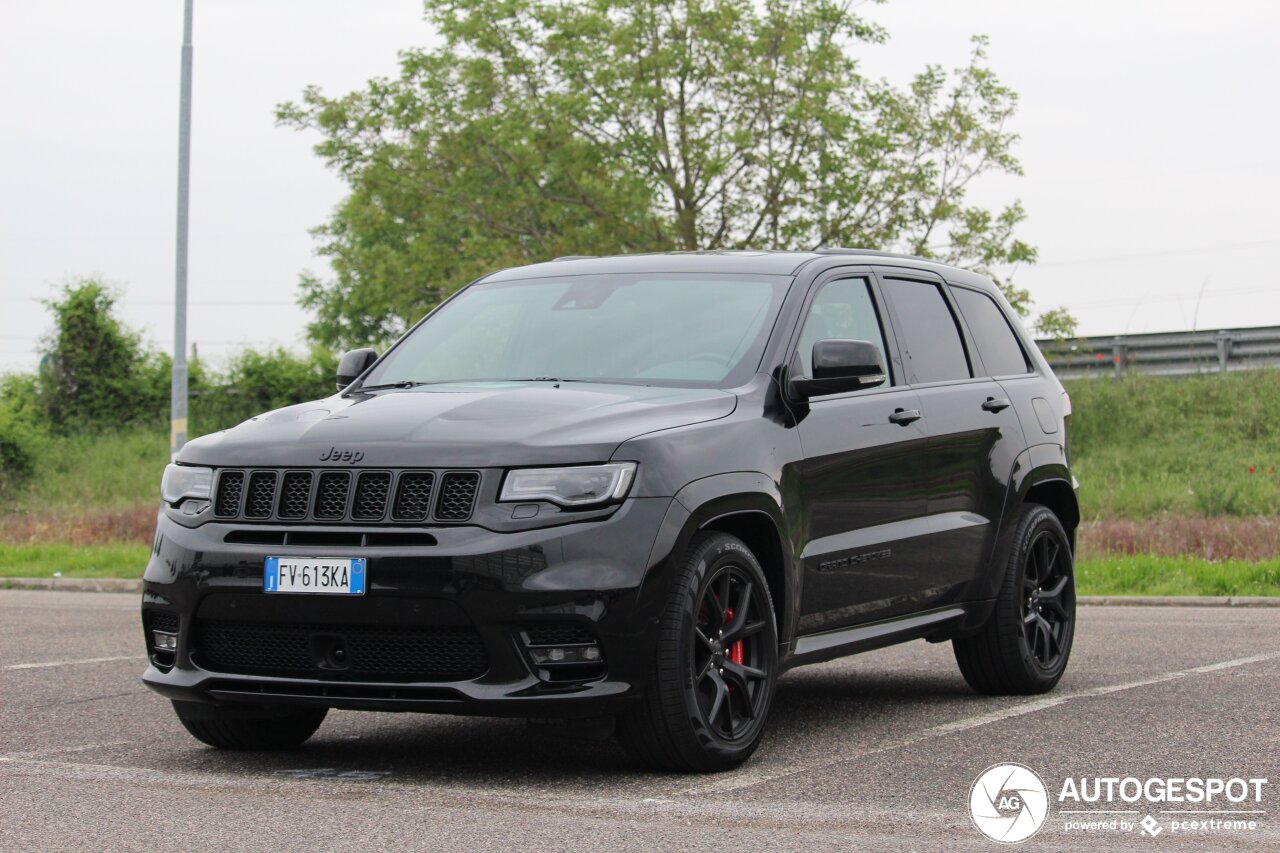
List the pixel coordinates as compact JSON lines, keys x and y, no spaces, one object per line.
{"x":315,"y":575}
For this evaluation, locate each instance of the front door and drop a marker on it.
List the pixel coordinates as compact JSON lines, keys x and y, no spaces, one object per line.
{"x":864,"y":475}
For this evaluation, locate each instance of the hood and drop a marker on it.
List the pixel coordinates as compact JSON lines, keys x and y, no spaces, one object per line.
{"x":495,"y":424}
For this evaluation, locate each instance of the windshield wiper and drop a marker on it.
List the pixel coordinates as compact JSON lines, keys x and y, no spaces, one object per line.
{"x":403,"y":383}
{"x":409,"y":383}
{"x":589,"y":381}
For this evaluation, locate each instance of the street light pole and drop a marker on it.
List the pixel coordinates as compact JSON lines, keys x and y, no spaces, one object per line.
{"x":178,"y":390}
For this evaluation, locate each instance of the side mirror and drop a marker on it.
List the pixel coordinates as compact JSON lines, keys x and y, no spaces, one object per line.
{"x":840,"y":366}
{"x":353,"y":364}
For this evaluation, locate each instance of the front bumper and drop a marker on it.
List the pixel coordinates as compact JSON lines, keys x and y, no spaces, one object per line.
{"x":602,"y":577}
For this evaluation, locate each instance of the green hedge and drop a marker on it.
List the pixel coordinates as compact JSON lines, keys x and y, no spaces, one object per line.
{"x":20,"y":442}
{"x":100,"y":380}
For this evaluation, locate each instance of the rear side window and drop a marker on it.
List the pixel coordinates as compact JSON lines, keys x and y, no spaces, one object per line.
{"x":931,"y":346}
{"x":1001,"y":353}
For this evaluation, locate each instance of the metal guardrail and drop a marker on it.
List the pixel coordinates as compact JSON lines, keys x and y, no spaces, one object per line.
{"x":1165,"y":353}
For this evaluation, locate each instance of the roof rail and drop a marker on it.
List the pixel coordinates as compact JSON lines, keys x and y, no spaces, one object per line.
{"x":841,"y":250}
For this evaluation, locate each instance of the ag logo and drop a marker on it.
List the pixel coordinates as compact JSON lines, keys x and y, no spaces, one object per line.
{"x":1008,"y":803}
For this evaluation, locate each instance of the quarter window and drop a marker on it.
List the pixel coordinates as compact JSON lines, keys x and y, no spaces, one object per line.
{"x":1001,"y":353}
{"x":931,"y":346}
{"x":842,"y":310}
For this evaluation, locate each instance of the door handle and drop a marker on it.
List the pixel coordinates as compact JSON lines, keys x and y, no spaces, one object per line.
{"x":996,"y":404}
{"x":902,"y":417}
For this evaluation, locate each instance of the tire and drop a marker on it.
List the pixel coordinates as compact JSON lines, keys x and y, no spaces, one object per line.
{"x":249,"y":729}
{"x":1025,"y":644}
{"x":708,"y":694}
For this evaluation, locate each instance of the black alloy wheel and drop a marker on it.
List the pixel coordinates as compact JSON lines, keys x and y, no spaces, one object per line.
{"x":706,"y":700}
{"x":1024,"y":646}
{"x":728,"y":660}
{"x":1048,"y":609}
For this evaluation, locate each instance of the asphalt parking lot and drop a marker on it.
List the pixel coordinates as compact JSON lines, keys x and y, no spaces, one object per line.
{"x":873,"y":752}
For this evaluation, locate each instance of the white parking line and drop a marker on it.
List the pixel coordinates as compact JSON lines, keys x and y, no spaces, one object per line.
{"x":49,"y":663}
{"x":750,"y":780}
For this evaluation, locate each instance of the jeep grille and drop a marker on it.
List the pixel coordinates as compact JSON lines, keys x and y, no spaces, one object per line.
{"x":359,"y":496}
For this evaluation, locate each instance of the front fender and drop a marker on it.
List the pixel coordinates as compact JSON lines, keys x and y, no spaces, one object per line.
{"x":747,"y":503}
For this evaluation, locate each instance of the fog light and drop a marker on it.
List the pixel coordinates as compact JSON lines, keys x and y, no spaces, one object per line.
{"x":565,"y":654}
{"x":194,"y":507}
{"x":164,"y":641}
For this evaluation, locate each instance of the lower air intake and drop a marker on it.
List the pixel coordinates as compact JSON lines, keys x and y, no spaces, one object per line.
{"x":372,"y":652}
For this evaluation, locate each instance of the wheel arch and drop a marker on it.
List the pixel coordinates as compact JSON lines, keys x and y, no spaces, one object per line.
{"x":1041,"y":475}
{"x":747,"y":505}
{"x":1058,"y":495}
{"x":758,"y":531}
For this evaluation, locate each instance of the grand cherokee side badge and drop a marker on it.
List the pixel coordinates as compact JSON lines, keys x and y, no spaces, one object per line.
{"x":853,"y":560}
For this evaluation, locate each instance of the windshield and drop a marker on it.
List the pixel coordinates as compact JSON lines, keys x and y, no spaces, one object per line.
{"x":695,"y":330}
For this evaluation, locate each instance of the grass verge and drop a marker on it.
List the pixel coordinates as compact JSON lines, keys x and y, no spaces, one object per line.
{"x":116,"y":560}
{"x":1144,"y":446}
{"x":1126,"y":575}
{"x":1145,"y":574}
{"x":95,"y":471}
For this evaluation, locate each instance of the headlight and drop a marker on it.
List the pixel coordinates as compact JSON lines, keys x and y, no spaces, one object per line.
{"x":577,"y":486}
{"x":186,"y":481}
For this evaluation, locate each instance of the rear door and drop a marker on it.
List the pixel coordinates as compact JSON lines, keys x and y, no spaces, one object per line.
{"x":974,"y":433}
{"x":863,"y":475}
{"x":1004,"y":357}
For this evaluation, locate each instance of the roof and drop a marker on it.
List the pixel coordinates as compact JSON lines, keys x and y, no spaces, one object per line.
{"x":727,"y":261}
{"x":759,"y":263}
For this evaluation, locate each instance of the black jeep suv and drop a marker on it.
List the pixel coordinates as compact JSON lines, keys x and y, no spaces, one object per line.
{"x":637,"y":488}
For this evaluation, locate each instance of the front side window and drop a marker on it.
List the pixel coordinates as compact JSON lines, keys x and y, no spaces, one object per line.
{"x":1001,"y":353}
{"x":690,"y":330}
{"x":842,"y":310}
{"x":932,"y":350}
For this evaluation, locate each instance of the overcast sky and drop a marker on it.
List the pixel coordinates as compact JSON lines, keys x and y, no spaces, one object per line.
{"x":1149,"y":139}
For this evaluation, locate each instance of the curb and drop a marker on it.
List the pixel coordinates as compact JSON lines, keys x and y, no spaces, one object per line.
{"x":1180,"y":600}
{"x":74,"y":584}
{"x":135,"y":585}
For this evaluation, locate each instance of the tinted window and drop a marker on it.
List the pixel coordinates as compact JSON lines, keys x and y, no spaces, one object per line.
{"x":691,"y":330}
{"x":931,"y":346}
{"x":842,"y":310}
{"x":1001,"y":353}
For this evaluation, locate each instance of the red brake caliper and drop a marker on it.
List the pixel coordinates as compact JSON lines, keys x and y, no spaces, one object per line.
{"x":735,"y":651}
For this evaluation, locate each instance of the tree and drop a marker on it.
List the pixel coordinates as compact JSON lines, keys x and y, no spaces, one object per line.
{"x":98,"y":373}
{"x":254,"y":382}
{"x":541,"y":128}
